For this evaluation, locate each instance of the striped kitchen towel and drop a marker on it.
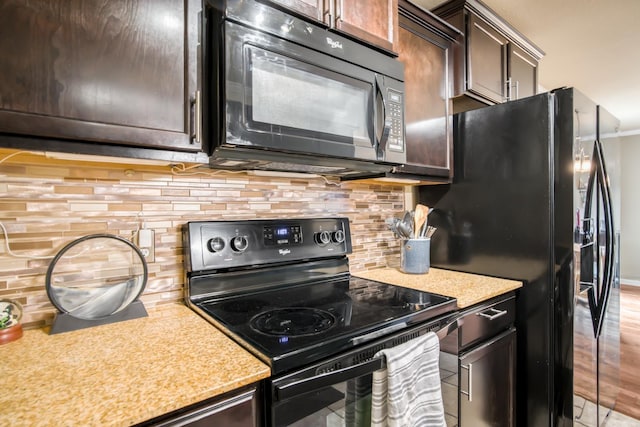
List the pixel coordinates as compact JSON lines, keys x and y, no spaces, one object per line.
{"x":407,"y":393}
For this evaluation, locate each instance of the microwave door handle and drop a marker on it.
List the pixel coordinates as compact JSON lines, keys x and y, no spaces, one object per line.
{"x":386,"y":120}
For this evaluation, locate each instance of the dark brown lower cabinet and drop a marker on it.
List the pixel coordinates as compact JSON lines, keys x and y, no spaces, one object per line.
{"x":487,"y":383}
{"x":487,"y":364}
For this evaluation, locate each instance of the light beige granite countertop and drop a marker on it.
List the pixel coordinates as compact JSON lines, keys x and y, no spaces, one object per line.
{"x":120,"y":374}
{"x":468,"y":289}
{"x":128,"y":372}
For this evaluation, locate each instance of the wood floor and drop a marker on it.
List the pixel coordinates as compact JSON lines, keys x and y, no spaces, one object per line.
{"x":627,"y":385}
{"x":629,"y":396}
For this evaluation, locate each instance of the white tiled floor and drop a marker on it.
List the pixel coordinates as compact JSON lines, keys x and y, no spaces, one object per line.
{"x":584,"y":410}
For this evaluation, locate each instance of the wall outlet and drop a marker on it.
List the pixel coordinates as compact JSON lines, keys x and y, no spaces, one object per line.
{"x":147,"y":244}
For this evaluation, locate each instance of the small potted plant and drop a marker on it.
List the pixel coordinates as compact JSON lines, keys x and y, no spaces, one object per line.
{"x":10,"y":327}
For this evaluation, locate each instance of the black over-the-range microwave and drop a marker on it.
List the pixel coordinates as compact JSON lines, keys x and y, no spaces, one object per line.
{"x":282,"y":93}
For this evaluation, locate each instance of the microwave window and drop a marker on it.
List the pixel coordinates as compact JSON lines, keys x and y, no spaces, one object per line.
{"x":296,"y":95}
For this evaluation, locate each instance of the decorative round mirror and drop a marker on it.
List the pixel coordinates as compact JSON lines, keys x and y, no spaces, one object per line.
{"x":95,"y":278}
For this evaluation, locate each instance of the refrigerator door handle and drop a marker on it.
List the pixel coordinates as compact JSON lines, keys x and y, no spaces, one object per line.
{"x":586,"y":262}
{"x":586,"y":259}
{"x":588,"y":277}
{"x":607,"y":280}
{"x":590,"y":272}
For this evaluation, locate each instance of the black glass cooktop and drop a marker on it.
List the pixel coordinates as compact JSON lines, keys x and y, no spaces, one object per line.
{"x":295,"y":325}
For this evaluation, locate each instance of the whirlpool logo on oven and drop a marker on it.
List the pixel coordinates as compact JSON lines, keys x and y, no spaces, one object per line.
{"x":284,"y":251}
{"x":334,"y":44}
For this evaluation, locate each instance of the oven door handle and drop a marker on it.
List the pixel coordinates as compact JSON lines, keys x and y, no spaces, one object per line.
{"x":296,"y":388}
{"x":450,"y":327}
{"x":305,"y":385}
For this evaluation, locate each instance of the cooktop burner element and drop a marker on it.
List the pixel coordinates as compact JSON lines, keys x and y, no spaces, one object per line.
{"x":287,"y":296}
{"x":295,"y":321}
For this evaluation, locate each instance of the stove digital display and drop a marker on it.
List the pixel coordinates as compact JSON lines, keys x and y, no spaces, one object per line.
{"x":283,"y":235}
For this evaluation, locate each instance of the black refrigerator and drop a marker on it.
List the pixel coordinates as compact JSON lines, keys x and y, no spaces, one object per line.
{"x":535,"y":197}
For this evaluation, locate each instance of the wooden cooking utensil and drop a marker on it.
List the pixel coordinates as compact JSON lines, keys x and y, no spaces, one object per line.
{"x":419,"y":219}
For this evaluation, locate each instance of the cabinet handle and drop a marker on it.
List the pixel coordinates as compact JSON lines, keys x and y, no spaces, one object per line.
{"x":329,"y":13}
{"x":197,"y":118}
{"x":492,"y":313}
{"x":339,"y":11}
{"x":507,"y":89}
{"x":517,"y":87}
{"x":468,"y":393}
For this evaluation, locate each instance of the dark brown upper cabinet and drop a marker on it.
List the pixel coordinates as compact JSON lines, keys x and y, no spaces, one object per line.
{"x":425,"y":47}
{"x":496,"y":63}
{"x":310,"y":8}
{"x":374,"y":21}
{"x":523,"y":72}
{"x":108,"y":71}
{"x":487,"y":61}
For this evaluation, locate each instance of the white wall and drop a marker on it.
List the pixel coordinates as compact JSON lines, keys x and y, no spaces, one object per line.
{"x":630,"y":222}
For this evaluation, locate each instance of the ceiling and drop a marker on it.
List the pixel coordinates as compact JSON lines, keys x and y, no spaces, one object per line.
{"x":592,"y":45}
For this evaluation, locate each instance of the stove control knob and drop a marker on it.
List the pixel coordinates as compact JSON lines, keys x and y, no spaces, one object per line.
{"x":216,"y":244}
{"x":337,"y":236}
{"x":322,"y":237}
{"x":239,"y":244}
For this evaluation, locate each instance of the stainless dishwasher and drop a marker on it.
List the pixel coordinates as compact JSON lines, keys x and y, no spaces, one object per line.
{"x":478,"y":366}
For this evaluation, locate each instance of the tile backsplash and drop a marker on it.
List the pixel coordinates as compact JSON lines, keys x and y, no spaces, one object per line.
{"x":46,"y":203}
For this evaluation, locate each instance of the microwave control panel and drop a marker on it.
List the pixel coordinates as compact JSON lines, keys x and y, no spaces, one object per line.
{"x":394,"y":108}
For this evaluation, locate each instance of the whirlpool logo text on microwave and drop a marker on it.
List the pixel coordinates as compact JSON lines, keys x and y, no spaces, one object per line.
{"x":334,"y":44}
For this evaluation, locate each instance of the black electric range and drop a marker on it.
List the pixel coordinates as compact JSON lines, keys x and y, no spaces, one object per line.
{"x":282,"y":289}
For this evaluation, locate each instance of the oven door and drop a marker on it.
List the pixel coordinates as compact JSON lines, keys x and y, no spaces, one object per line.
{"x":281,"y":96}
{"x":337,"y":392}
